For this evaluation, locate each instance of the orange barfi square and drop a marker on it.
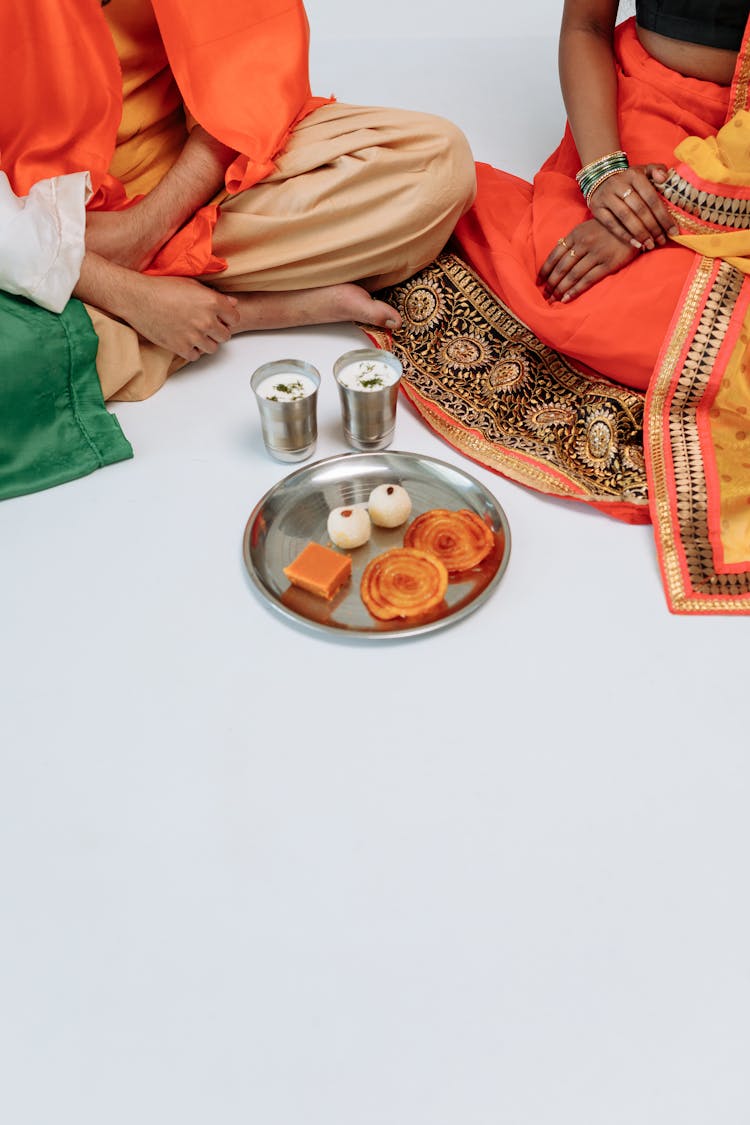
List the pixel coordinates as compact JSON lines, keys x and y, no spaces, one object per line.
{"x":319,"y":570}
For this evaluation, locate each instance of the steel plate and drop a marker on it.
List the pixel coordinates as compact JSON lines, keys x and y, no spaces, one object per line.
{"x":295,"y":511}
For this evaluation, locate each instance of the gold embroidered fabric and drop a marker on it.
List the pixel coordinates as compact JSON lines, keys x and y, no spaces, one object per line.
{"x":693,"y":585}
{"x":728,"y":210}
{"x":484,"y":381}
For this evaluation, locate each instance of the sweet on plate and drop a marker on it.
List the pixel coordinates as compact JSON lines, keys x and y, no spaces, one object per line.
{"x":461,"y":540}
{"x":403,"y":582}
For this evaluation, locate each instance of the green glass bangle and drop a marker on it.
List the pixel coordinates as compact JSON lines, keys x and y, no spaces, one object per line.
{"x":590,"y":176}
{"x":599,"y":182}
{"x":585,"y":182}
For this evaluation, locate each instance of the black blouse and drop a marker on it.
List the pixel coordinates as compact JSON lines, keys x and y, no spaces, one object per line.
{"x":712,"y":23}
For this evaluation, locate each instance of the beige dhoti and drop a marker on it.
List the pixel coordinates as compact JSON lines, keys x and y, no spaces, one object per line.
{"x":360,"y":194}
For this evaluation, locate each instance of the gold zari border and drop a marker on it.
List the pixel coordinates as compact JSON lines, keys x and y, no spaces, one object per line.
{"x":487,"y":384}
{"x":741,"y":81}
{"x":695,"y":207}
{"x":672,"y":413}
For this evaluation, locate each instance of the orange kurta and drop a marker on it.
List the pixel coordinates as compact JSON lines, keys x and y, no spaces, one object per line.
{"x":153,"y":129}
{"x":240,"y":66}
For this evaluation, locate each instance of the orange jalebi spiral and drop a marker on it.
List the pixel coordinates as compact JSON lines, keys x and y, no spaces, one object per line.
{"x":460,"y":540}
{"x":403,"y":583}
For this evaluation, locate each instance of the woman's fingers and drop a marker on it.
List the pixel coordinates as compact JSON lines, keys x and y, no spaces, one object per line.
{"x":565,"y":265}
{"x":582,"y":258}
{"x":630,"y":207}
{"x":555,"y":256}
{"x":649,"y":205}
{"x":623,"y":223}
{"x":657,"y":173}
{"x":568,"y":274}
{"x":620,"y":208}
{"x":595,"y":273}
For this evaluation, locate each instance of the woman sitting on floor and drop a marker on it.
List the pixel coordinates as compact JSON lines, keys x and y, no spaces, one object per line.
{"x":625,"y":259}
{"x":632,"y":94}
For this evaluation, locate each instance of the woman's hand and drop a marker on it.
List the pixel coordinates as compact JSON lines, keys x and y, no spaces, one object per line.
{"x":583,"y":257}
{"x":631,"y":209}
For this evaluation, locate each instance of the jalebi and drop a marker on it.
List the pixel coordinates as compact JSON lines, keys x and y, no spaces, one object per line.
{"x":403,"y":582}
{"x":461,"y":540}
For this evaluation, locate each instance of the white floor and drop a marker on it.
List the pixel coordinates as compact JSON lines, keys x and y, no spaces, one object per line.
{"x":249,"y":874}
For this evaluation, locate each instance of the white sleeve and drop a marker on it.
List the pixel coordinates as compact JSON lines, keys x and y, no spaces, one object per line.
{"x":42,"y":238}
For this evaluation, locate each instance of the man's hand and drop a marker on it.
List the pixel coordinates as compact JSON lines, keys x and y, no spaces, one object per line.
{"x":582,"y":258}
{"x":177,"y":313}
{"x":181,"y":315}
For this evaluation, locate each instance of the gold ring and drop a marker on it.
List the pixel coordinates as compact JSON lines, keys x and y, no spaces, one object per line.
{"x":572,"y":253}
{"x":562,"y":242}
{"x":625,"y":194}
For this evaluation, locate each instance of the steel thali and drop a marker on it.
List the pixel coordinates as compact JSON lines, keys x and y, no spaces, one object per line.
{"x":295,"y":511}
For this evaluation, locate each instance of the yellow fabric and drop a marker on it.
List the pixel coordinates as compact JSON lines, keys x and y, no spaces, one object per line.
{"x":721,"y":159}
{"x":733,"y":246}
{"x":152,"y":131}
{"x":724,"y":160}
{"x":730,"y":435}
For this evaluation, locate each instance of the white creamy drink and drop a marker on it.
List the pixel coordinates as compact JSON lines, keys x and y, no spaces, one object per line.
{"x":367,"y":375}
{"x":285,"y":387}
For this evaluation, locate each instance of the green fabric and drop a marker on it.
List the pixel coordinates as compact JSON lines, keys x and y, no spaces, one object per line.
{"x":54,"y":426}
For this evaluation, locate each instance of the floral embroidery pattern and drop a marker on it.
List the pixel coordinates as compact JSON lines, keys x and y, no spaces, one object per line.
{"x":487,"y":383}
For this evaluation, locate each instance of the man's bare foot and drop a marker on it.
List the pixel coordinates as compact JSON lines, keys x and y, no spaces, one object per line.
{"x":331,"y":304}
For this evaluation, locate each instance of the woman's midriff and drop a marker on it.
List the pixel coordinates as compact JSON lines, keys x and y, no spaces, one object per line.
{"x":711,"y":64}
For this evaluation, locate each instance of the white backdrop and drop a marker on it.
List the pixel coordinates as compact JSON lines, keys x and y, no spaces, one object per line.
{"x":435,"y":19}
{"x":471,"y":66}
{"x":521,"y":900}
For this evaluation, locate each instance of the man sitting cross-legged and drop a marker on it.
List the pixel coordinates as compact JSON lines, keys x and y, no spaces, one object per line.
{"x":217,"y":214}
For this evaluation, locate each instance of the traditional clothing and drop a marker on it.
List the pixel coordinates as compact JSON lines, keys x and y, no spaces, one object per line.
{"x":318,"y":194}
{"x":240,"y":66}
{"x":657,"y":109}
{"x":516,"y":382}
{"x":714,"y":23}
{"x":53,"y":424}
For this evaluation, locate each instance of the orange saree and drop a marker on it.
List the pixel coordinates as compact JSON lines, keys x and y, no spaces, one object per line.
{"x":635,"y":397}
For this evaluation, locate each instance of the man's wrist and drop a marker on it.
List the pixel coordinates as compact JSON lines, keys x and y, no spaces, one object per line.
{"x":108,"y":286}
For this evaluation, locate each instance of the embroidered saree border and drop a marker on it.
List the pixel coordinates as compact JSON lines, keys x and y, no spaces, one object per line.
{"x":695,"y":206}
{"x":679,"y":467}
{"x":738,"y":95}
{"x":485,"y":383}
{"x":488,"y":385}
{"x":502,"y":460}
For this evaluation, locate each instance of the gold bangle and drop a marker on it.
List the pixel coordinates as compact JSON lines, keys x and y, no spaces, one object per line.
{"x":591,"y":173}
{"x":599,"y":182}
